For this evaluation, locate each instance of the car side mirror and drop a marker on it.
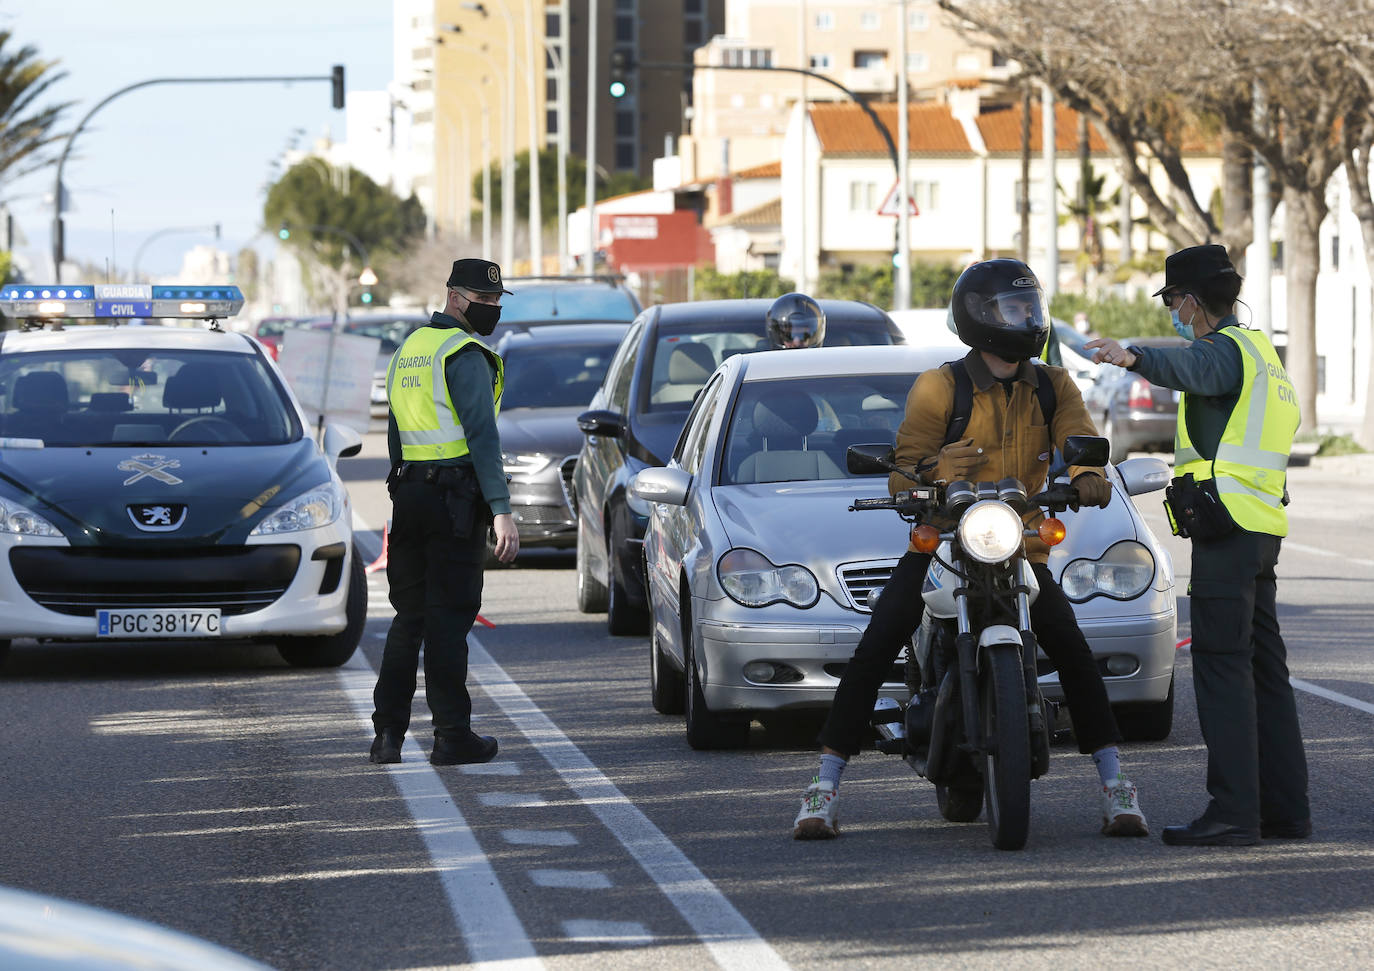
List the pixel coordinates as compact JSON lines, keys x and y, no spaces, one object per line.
{"x":611,"y":424}
{"x":1086,"y":450}
{"x":868,"y":459}
{"x":341,"y":442}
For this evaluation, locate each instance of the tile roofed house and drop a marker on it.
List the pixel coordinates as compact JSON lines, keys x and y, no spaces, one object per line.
{"x":1001,"y":131}
{"x":844,"y":129}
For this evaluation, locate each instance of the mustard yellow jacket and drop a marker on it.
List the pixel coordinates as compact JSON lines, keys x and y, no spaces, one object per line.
{"x":1012,"y":433}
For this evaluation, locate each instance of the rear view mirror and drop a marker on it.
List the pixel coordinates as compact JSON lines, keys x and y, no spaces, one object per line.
{"x":868,"y":459}
{"x":143,"y":379}
{"x":1086,"y":450}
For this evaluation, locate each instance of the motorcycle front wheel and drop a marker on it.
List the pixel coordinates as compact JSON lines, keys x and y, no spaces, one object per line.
{"x":1007,"y":764}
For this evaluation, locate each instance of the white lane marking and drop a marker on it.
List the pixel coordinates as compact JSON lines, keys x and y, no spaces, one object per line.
{"x":1330,"y":695}
{"x":538,"y":837}
{"x":511,"y":800}
{"x":626,"y":932}
{"x":1318,"y":551}
{"x":732,"y":941}
{"x":490,"y":768}
{"x":571,"y":879}
{"x":491,"y":929}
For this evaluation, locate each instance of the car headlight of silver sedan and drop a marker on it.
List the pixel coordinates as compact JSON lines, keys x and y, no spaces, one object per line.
{"x":525,"y":463}
{"x":990,"y":531}
{"x":20,"y":519}
{"x":311,"y":510}
{"x":1124,"y":572}
{"x":751,"y":579}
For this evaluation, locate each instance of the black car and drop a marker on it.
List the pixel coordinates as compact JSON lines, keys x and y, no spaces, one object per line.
{"x":637,"y":414}
{"x":552,"y":372}
{"x":536,"y":301}
{"x":1132,"y":413}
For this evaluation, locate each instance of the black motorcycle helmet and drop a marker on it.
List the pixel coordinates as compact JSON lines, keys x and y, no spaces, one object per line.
{"x":795,"y":320}
{"x":998,"y":306}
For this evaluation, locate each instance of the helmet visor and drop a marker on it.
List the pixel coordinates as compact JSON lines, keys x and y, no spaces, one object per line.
{"x":1020,"y":309}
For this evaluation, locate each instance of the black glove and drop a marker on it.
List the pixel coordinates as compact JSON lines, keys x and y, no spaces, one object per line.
{"x":1093,"y":490}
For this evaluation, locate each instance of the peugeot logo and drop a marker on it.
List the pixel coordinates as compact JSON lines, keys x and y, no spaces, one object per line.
{"x":157,"y":517}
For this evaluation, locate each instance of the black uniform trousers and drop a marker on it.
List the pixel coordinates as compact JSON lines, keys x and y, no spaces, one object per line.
{"x":436,"y":590}
{"x":1256,"y":767}
{"x":895,"y":619}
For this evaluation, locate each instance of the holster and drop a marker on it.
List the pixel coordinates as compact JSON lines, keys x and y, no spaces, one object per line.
{"x":1195,"y":510}
{"x":467,"y":511}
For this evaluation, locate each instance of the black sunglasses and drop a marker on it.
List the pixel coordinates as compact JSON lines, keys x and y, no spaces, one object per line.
{"x":1168,"y":298}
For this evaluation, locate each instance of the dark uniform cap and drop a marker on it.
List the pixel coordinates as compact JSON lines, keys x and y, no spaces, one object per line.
{"x":1193,"y":265}
{"x":479,"y":276}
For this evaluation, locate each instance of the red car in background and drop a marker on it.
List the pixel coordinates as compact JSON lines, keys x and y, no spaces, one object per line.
{"x":269,"y":331}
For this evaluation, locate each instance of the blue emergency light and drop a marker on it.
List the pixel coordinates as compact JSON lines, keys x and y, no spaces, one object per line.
{"x":115,"y":301}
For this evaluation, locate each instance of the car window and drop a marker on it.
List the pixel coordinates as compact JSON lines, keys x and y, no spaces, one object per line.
{"x":137,"y":395}
{"x":618,"y":391}
{"x":800,"y":428}
{"x":554,"y":375}
{"x":564,"y":302}
{"x":690,"y":449}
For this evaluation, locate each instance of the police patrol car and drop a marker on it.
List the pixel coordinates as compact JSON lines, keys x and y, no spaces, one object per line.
{"x":159,"y":481}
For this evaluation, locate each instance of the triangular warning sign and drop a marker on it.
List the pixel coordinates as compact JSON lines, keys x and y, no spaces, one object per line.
{"x":889,"y":206}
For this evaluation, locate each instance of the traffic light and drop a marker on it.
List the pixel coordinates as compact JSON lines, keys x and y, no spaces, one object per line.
{"x":621,"y":65}
{"x":367,"y":296}
{"x":336,"y":78}
{"x":284,"y":232}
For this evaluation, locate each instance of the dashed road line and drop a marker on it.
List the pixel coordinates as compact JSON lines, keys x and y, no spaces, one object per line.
{"x":571,"y":879}
{"x":511,"y":800}
{"x":538,"y":837}
{"x":624,"y":932}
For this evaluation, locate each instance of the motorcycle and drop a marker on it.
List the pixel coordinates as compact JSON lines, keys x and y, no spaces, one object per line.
{"x":975,"y":725}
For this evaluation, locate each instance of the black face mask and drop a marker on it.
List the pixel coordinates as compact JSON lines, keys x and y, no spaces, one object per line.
{"x":483,"y":317}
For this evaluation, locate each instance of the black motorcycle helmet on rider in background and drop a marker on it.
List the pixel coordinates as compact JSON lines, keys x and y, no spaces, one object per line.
{"x":795,"y":320}
{"x":999,"y":306}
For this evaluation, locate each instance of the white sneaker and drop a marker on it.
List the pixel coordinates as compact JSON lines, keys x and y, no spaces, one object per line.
{"x":818,"y":819}
{"x":1121,"y":814}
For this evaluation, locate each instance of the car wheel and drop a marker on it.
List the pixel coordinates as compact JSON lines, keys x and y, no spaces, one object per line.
{"x":622,"y":616}
{"x":591,"y":593}
{"x":332,"y":650}
{"x":706,"y":729}
{"x":666,"y":686}
{"x":1112,"y":433}
{"x":1147,"y":723}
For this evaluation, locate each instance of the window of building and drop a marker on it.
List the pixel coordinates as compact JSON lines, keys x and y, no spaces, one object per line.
{"x":875,"y":60}
{"x":820,"y":62}
{"x":917,"y":20}
{"x":624,"y":155}
{"x":624,"y":29}
{"x":824,"y":20}
{"x":868,"y":20}
{"x":421,"y":53}
{"x":925,"y":194}
{"x":551,"y":121}
{"x":423,"y":117}
{"x":624,"y":124}
{"x":863,"y":196}
{"x":968,"y":63}
{"x":917,"y":62}
{"x":624,"y":4}
{"x":552,"y":25}
{"x":691,"y":6}
{"x":422,"y":84}
{"x":1036,"y":191}
{"x":747,"y":57}
{"x":999,"y":59}
{"x":550,"y":90}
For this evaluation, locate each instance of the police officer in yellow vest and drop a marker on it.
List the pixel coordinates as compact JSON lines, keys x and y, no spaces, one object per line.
{"x":1236,"y":421}
{"x":447,"y":483}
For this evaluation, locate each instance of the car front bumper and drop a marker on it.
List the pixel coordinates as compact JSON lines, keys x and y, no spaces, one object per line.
{"x":1149,"y":641}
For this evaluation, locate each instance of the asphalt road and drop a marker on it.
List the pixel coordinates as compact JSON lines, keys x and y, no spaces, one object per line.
{"x":214,"y":790}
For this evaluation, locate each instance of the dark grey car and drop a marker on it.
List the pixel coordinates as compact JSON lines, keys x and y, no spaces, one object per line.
{"x":1135,"y":415}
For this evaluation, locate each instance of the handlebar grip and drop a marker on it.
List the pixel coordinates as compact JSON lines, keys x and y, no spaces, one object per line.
{"x":885,"y":503}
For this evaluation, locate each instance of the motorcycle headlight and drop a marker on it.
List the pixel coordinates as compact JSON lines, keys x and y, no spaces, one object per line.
{"x":525,"y":463}
{"x":1124,"y":572}
{"x":751,"y":579}
{"x":20,"y":519}
{"x":311,"y":510}
{"x":990,"y":531}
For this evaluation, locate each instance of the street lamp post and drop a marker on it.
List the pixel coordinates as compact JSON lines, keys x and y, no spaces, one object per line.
{"x":138,"y":254}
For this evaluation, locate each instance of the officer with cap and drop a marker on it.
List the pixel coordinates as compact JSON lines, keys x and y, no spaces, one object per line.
{"x":447,"y":483}
{"x":1236,"y":421}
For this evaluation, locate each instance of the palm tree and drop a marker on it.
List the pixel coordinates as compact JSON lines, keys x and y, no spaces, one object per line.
{"x":26,"y":130}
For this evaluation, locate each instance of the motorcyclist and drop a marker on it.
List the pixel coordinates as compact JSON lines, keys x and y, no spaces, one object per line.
{"x":795,"y":320}
{"x":999,"y":311}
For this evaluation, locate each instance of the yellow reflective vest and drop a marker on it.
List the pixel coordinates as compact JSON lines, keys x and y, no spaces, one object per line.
{"x":1252,"y":456}
{"x":418,"y":393}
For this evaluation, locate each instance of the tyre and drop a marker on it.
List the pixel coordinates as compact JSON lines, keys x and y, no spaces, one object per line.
{"x":706,"y":729}
{"x":591,"y":592}
{"x":622,"y":615}
{"x":665,"y":684}
{"x":1006,"y":731}
{"x":1148,"y":723}
{"x":960,"y":803}
{"x":331,"y":650}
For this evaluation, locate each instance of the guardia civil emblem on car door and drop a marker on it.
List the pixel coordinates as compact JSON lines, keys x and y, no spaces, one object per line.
{"x":149,"y":465}
{"x":157,"y":517}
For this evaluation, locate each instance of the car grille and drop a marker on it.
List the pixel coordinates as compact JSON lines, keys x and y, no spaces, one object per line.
{"x":542,"y":515}
{"x":78,"y":581}
{"x":565,"y":479}
{"x":861,"y":579}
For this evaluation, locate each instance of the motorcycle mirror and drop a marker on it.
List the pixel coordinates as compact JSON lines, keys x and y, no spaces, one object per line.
{"x":868,"y":459}
{"x":1086,"y":450}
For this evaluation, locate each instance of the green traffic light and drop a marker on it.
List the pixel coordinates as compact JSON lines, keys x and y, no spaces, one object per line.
{"x":617,"y":89}
{"x":367,"y":297}
{"x":284,"y":233}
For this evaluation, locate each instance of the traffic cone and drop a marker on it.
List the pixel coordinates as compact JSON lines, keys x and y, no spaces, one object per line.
{"x":380,"y":562}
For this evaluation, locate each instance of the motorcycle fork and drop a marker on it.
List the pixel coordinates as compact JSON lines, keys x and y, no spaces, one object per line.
{"x":966,"y":649}
{"x":1035,"y":704}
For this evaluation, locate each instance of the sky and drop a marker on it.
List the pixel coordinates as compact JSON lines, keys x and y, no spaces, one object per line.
{"x":182,"y":157}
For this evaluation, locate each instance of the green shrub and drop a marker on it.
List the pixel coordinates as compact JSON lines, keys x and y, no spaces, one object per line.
{"x":1338,"y":445}
{"x":711,"y":284}
{"x":1114,"y":317}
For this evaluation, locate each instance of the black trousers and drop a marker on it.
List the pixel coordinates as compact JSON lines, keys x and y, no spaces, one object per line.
{"x":1256,"y":766}
{"x":436,"y":590}
{"x":895,"y":620}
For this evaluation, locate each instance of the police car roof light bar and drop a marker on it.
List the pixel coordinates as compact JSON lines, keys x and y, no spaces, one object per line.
{"x":120,"y":301}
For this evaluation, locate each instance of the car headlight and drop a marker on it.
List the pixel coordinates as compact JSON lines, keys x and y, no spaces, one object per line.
{"x":525,"y":463}
{"x":311,"y":510}
{"x":1124,"y":572}
{"x":751,"y":579}
{"x":990,"y":531}
{"x":20,"y":519}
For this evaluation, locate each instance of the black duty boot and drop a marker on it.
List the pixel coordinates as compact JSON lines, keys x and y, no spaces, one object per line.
{"x":467,"y":751}
{"x":386,"y":747}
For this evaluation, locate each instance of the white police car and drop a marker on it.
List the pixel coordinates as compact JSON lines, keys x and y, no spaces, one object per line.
{"x":161,"y":481}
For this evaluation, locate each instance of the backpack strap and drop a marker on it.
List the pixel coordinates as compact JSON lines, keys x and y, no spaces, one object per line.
{"x":963,"y":402}
{"x":1044,"y":390}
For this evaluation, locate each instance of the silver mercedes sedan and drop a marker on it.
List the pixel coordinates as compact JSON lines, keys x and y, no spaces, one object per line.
{"x":759,"y":577}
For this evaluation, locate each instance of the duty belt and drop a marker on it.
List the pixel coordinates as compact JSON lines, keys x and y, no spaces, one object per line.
{"x":433,"y":473}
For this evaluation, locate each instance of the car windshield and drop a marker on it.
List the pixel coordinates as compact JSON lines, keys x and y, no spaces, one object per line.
{"x":555,"y":375}
{"x":798,"y":429}
{"x":557,"y":303}
{"x":684,"y":356}
{"x":128,"y":396}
